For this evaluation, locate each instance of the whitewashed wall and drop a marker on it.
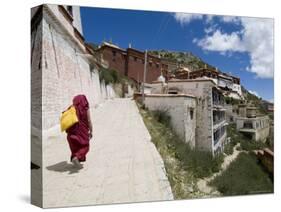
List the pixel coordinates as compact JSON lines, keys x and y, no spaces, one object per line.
{"x":178,"y":108}
{"x":66,"y":73}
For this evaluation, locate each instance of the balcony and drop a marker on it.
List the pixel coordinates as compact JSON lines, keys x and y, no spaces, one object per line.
{"x":218,"y":98}
{"x":219,"y":134}
{"x":218,"y":118}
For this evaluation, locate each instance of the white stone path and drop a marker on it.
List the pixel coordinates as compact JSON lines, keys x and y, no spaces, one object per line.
{"x":123,"y":165}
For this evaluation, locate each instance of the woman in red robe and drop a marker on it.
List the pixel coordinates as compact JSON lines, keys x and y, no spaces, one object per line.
{"x":79,"y":134}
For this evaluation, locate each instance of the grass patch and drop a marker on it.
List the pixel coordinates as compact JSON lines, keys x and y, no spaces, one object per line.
{"x":228,"y":148}
{"x":184,"y":165}
{"x":252,"y":145}
{"x":243,"y":176}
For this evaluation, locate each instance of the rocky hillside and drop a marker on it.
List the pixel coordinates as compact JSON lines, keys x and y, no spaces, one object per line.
{"x":185,"y":58}
{"x":255,"y":100}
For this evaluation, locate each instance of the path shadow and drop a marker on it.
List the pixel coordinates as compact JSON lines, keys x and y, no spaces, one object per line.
{"x":64,"y":166}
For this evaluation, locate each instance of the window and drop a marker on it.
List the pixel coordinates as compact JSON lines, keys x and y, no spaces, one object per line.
{"x":157,"y":65}
{"x":191,"y":113}
{"x":135,"y":59}
{"x":257,"y":125}
{"x":248,"y":125}
{"x":113,"y":53}
{"x":216,"y":136}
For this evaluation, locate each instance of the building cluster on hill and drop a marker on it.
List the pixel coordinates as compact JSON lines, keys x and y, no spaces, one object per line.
{"x":193,"y":99}
{"x":130,"y":62}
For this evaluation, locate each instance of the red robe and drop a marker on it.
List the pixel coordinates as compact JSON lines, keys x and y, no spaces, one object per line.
{"x":78,"y":135}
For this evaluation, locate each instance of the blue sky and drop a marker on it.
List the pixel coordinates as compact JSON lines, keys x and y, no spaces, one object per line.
{"x":240,"y":46}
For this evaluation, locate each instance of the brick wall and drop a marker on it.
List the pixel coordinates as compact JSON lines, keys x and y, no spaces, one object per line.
{"x":116,"y":59}
{"x":130,"y":63}
{"x":136,"y":68}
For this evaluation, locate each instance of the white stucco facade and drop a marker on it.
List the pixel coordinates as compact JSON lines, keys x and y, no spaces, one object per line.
{"x":182,"y":111}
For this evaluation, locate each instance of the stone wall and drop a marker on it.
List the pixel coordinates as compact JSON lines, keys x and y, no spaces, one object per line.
{"x":65,"y":74}
{"x":64,"y":71}
{"x":262,"y":134}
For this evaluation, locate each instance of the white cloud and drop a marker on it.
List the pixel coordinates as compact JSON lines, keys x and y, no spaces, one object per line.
{"x":255,"y":38}
{"x":230,"y":19}
{"x":258,"y":40}
{"x":211,"y":28}
{"x":209,"y":18}
{"x":185,"y":18}
{"x":254,"y":93}
{"x":222,"y":42}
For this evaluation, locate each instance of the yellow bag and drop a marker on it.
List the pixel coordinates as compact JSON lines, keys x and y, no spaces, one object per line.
{"x":68,"y":118}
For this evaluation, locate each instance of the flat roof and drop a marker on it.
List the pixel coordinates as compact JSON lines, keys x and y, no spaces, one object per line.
{"x":170,"y":95}
{"x":253,"y":118}
{"x":187,"y":80}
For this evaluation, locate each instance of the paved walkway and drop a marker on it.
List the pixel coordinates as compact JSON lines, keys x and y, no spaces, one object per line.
{"x":123,"y":165}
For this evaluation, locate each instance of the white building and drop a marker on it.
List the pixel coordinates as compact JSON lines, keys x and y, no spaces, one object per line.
{"x":229,"y":84}
{"x":253,"y":126}
{"x":182,"y":110}
{"x":210,"y":131}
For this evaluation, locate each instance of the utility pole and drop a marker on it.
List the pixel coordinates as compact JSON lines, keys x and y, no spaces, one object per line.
{"x":144,"y":75}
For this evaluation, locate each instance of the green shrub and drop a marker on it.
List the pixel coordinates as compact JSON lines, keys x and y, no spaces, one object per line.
{"x":230,"y":100}
{"x":162,"y":117}
{"x":246,"y":144}
{"x":249,"y":145}
{"x":109,"y":76}
{"x":200,"y":163}
{"x":228,"y":148}
{"x":239,"y":148}
{"x":243,"y":176}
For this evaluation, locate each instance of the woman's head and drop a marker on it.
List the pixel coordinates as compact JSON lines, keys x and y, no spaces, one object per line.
{"x":80,"y":102}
